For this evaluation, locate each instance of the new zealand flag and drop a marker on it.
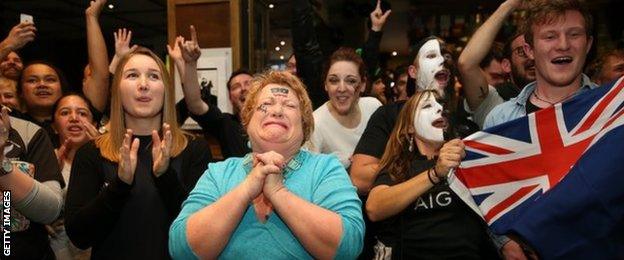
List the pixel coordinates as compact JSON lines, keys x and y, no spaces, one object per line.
{"x":555,"y":178}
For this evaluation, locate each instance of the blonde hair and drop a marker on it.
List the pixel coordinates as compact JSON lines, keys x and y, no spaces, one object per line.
{"x":110,"y":142}
{"x":284,"y":79}
{"x":397,"y":158}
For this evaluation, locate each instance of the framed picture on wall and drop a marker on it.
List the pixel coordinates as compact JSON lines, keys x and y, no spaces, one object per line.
{"x":213,"y":69}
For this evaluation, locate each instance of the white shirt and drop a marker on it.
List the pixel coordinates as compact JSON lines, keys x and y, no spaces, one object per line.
{"x":330,"y":136}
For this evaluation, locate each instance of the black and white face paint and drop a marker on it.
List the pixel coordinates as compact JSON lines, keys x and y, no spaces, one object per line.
{"x":428,"y":121}
{"x":431,"y":71}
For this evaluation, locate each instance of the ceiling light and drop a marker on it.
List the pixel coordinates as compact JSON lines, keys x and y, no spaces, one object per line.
{"x":277,"y":48}
{"x":111,"y":6}
{"x":281,"y":57}
{"x":394,"y":53}
{"x":282,"y":43}
{"x":271,"y":6}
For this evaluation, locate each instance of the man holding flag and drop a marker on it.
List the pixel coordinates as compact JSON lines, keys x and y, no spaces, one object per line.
{"x":510,"y":171}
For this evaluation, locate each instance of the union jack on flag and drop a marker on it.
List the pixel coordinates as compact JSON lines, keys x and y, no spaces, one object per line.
{"x":545,"y":174}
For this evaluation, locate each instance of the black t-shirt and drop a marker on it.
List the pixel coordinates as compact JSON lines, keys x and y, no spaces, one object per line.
{"x":438,"y":225}
{"x":122,"y":221}
{"x":228,"y":130}
{"x":378,"y":129}
{"x":530,"y":107}
{"x":507,"y":90}
{"x":29,"y":143}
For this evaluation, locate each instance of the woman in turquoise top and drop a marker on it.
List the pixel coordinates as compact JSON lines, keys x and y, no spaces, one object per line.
{"x":278,"y":202}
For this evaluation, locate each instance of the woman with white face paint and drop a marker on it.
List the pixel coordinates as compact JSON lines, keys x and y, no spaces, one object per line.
{"x":340,"y":122}
{"x":420,"y":218}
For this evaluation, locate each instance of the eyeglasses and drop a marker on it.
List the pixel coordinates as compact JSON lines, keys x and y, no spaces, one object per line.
{"x":520,"y":52}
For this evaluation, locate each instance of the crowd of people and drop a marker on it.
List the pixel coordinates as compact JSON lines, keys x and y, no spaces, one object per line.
{"x":325,"y":159}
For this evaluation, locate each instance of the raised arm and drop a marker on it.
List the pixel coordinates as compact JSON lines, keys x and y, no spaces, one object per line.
{"x":96,"y":85}
{"x":190,"y":86}
{"x":370,"y":53}
{"x":475,"y":84}
{"x":308,"y":51}
{"x":19,"y":36}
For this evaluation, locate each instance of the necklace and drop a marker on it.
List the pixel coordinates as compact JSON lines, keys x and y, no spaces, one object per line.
{"x":548,"y":102}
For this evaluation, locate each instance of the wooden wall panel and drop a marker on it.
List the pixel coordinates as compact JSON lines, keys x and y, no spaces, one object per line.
{"x":212,"y":21}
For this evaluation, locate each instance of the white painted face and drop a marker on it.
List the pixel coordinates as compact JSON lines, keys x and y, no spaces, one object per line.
{"x":428,"y":120}
{"x":431,"y":71}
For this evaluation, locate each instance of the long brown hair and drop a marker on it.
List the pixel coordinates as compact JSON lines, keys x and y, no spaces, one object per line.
{"x":110,"y":142}
{"x":397,"y":157}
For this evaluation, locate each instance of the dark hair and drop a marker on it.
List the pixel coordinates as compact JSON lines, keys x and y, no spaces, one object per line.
{"x":59,"y":73}
{"x":549,"y":11}
{"x":496,"y":53}
{"x":415,"y":48}
{"x":594,"y":69}
{"x":346,"y":54}
{"x":518,"y":31}
{"x":76,"y":94}
{"x":240,"y":71}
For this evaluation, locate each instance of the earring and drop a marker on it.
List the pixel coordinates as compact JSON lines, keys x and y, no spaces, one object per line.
{"x":411,"y":144}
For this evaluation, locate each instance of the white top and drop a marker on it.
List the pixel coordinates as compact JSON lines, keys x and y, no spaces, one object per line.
{"x":330,"y":136}
{"x":491,"y":100}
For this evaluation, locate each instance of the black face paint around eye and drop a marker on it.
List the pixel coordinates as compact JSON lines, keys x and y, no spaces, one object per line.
{"x":262,"y":108}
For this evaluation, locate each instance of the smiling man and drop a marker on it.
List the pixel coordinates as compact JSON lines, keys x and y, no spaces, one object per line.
{"x":558,"y":38}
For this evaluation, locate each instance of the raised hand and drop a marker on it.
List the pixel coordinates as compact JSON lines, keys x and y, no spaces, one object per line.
{"x":122,"y":42}
{"x":89,"y":129}
{"x":161,"y":150}
{"x":451,"y":154}
{"x":95,"y":8}
{"x":378,"y":17}
{"x":175,"y":52}
{"x":128,"y":158}
{"x":190,"y":49}
{"x":517,"y":3}
{"x":19,"y":36}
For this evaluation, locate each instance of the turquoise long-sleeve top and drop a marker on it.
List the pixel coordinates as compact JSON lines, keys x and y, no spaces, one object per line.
{"x":317,"y":178}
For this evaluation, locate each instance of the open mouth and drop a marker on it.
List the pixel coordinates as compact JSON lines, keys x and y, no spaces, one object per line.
{"x":562,"y":60}
{"x":43,"y":93}
{"x":439,"y":123}
{"x":75,"y":128}
{"x":442,"y":76}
